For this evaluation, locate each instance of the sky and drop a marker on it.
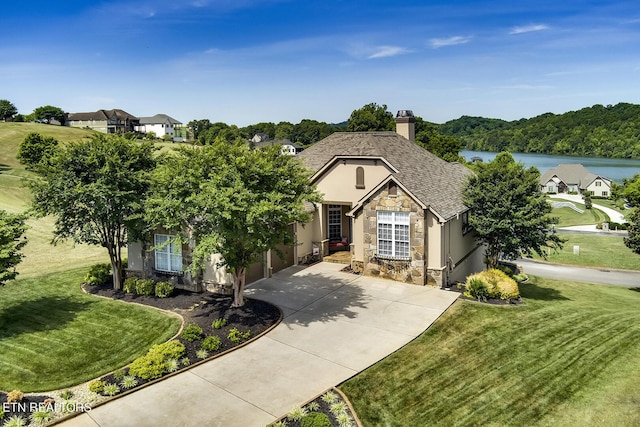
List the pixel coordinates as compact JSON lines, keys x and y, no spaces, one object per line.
{"x":248,"y":61}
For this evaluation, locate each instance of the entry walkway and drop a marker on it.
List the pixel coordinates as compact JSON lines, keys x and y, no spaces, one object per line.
{"x":335,"y":325}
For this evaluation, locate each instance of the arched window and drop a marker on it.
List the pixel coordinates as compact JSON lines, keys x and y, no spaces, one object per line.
{"x":359,"y":177}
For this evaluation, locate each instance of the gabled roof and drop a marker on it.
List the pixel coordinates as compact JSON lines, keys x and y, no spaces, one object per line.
{"x":159,"y":119}
{"x":571,"y":174}
{"x":434,"y":182}
{"x":102,"y":115}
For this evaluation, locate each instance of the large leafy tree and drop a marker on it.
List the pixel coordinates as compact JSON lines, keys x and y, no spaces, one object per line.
{"x":371,"y":117}
{"x":47,"y":113}
{"x":96,"y":190}
{"x":446,"y":147}
{"x":508,"y":212}
{"x":35,"y":149}
{"x":12,"y":228}
{"x":631,"y":189}
{"x":230,"y":200}
{"x":7,"y":110}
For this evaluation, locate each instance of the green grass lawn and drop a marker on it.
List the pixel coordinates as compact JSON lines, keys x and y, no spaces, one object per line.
{"x":568,"y":356}
{"x":595,"y":251}
{"x":568,"y":217}
{"x":53,"y":335}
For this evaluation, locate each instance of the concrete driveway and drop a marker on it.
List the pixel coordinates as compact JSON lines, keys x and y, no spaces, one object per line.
{"x":335,"y":325}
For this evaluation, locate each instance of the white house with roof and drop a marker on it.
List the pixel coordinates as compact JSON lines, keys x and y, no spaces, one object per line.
{"x":160,"y":125}
{"x":574,"y":178}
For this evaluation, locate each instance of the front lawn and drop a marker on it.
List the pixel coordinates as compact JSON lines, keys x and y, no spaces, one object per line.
{"x":567,"y":356}
{"x":568,"y":217}
{"x":595,"y":251}
{"x":53,"y":335}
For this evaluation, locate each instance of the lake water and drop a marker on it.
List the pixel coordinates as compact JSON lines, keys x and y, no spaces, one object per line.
{"x":614,"y":169}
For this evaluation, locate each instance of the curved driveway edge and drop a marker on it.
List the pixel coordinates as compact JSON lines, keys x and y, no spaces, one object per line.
{"x":335,"y":325}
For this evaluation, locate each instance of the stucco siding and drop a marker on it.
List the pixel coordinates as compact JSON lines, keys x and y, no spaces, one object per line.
{"x":338,"y":184}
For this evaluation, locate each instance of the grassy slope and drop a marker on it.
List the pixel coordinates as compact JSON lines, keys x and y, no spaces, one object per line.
{"x":595,"y":251}
{"x":566,"y":357}
{"x":568,"y":217}
{"x":52,"y":334}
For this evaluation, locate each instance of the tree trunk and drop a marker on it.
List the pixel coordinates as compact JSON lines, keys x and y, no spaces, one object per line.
{"x":239,"y":279}
{"x":116,"y":269}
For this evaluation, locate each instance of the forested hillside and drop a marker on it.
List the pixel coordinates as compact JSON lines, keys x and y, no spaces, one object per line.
{"x":611,"y":131}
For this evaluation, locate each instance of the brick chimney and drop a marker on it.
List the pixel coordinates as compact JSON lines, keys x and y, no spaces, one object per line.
{"x":406,"y":124}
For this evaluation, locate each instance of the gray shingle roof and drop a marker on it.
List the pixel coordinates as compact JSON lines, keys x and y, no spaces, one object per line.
{"x":102,"y":115}
{"x":435,"y":182}
{"x":159,"y":119}
{"x":570,"y":174}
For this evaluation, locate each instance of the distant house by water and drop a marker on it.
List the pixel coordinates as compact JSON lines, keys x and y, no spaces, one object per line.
{"x":574,"y":178}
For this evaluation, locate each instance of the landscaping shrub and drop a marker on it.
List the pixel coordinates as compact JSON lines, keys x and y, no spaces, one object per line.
{"x":219,"y":323}
{"x":476,"y":288}
{"x":97,"y":386}
{"x":211,"y":343}
{"x":41,"y":418}
{"x":111,"y":389}
{"x":164,"y":289}
{"x":66,"y":395}
{"x":145,"y":287}
{"x":15,"y":396}
{"x":155,"y":363}
{"x":492,"y":283}
{"x":191,"y":333}
{"x":15,"y":421}
{"x":236,"y":336}
{"x":119,"y":374}
{"x":98,"y":274}
{"x":129,"y":382}
{"x":129,"y":285}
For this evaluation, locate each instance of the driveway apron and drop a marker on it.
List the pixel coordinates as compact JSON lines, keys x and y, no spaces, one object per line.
{"x":335,"y":325}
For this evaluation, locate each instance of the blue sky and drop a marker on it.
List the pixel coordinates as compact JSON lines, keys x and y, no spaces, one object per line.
{"x":248,"y":61}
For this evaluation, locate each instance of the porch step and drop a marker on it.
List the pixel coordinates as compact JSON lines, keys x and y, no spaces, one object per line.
{"x":340,"y":257}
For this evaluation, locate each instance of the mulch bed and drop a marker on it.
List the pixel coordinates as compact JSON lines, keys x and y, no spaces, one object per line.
{"x":23,"y":409}
{"x":322,"y":407}
{"x":202,"y":309}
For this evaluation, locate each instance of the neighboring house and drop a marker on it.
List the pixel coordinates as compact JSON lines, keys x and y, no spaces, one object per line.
{"x":574,"y":178}
{"x":398,"y":206}
{"x":288,"y":147}
{"x":161,"y":125}
{"x":105,"y":121}
{"x":395,"y":206}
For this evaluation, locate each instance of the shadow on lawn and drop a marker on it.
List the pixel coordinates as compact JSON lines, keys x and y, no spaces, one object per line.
{"x":531,"y":290}
{"x":4,"y":168}
{"x":43,"y":314}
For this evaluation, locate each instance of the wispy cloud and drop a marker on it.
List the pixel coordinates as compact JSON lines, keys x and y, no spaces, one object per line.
{"x":450,"y":41}
{"x":528,"y":28}
{"x":388,"y":51}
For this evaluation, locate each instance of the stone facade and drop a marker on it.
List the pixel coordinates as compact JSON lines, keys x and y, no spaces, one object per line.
{"x":408,"y":271}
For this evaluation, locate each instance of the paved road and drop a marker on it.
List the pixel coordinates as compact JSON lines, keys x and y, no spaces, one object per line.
{"x":582,"y":274}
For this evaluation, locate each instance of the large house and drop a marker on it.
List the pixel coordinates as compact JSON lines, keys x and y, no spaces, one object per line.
{"x":394,"y":206}
{"x":574,"y":178}
{"x":397,"y":206}
{"x":289,"y":148}
{"x":161,"y":125}
{"x":105,"y":121}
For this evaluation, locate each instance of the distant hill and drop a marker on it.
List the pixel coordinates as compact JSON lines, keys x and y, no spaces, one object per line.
{"x":599,"y":131}
{"x":13,"y":133}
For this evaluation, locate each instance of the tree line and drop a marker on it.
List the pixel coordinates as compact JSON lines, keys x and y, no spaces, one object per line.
{"x":601,"y":131}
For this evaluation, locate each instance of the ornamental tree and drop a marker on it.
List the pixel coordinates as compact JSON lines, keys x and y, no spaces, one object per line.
{"x":96,"y":190}
{"x":509,"y":213}
{"x":231,"y":201}
{"x":12,"y":228}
